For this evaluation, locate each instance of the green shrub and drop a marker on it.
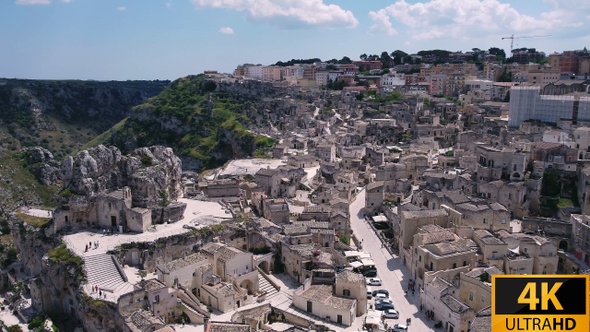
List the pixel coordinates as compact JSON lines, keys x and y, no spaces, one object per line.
{"x":61,"y":254}
{"x":146,"y":160}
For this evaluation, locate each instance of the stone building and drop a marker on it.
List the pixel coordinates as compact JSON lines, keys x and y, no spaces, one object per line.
{"x":352,"y":285}
{"x":374,"y":198}
{"x":318,"y":300}
{"x":454,"y":314}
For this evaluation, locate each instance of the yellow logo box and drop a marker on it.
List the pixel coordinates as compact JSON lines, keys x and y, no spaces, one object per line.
{"x":540,"y":303}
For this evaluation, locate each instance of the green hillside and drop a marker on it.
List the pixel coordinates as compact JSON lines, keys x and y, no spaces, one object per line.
{"x":204,"y":126}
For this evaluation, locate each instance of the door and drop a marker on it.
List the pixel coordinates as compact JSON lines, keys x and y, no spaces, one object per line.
{"x":309,"y":306}
{"x":339,"y":319}
{"x":113,"y":221}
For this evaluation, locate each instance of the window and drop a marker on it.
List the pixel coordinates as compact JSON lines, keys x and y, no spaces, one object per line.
{"x":346,"y":292}
{"x":470,"y":295}
{"x":157,"y":299}
{"x":484,"y":221}
{"x":454,"y":265}
{"x":464,"y":263}
{"x":419,"y":258}
{"x":504,"y":220}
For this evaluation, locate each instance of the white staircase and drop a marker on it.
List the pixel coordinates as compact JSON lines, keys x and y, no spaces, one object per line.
{"x":265,"y":286}
{"x":102,"y":272}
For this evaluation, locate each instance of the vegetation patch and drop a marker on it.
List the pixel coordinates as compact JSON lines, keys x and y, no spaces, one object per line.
{"x":37,"y":222}
{"x":61,"y":254}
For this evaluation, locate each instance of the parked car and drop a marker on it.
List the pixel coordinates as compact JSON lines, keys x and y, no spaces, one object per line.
{"x":380,"y":296}
{"x":383,"y":300}
{"x":382,"y":291}
{"x":399,"y":328}
{"x":374,"y":281}
{"x":369,"y":293}
{"x":390,"y":313}
{"x":371,"y":273}
{"x":384,"y":306}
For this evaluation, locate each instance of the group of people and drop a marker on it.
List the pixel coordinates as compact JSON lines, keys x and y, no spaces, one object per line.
{"x":96,"y":289}
{"x":90,"y":244}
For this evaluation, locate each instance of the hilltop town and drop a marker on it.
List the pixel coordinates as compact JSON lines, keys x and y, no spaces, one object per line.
{"x":394,"y":189}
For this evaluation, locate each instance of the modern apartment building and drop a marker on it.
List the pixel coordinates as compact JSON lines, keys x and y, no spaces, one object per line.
{"x":526,"y":103}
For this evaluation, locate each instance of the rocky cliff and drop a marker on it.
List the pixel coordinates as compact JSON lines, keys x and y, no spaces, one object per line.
{"x":152,"y":173}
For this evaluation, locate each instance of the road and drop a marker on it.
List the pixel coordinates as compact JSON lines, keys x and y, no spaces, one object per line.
{"x":395,"y":276}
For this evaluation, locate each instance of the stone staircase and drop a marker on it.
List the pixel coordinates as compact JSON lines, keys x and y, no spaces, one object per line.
{"x":265,"y":286}
{"x":102,"y":271}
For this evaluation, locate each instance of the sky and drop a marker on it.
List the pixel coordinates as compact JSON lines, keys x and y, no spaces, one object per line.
{"x":168,"y":39}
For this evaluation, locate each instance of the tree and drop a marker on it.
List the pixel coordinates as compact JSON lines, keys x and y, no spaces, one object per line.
{"x":385,"y":59}
{"x":363,"y":56}
{"x":345,"y":60}
{"x":400,"y":57}
{"x":506,"y":76}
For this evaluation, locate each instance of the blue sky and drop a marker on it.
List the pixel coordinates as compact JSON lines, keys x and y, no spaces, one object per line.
{"x":167,"y":39}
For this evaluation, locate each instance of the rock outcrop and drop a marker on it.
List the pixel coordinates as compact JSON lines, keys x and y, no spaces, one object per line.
{"x":152,"y":173}
{"x":42,"y":165}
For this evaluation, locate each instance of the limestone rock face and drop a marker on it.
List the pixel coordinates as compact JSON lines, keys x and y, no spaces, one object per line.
{"x":152,"y":173}
{"x":42,"y":165}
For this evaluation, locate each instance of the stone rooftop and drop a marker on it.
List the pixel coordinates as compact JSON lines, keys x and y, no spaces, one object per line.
{"x":447,"y":248}
{"x":439,"y":284}
{"x":143,"y":319}
{"x":486,"y":237}
{"x":424,"y":214}
{"x":454,"y":304}
{"x":436,"y":237}
{"x":323,"y":293}
{"x":151,"y":284}
{"x":226,"y":253}
{"x":350,"y":276}
{"x":183,"y":262}
{"x":227,"y":327}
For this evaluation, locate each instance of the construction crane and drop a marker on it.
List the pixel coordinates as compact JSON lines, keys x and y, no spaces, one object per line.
{"x":513,"y":37}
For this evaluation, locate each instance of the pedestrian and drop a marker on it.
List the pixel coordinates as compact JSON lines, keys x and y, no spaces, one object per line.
{"x":420,"y":307}
{"x":97,"y":244}
{"x":104,"y":232}
{"x":100,"y":293}
{"x":85,"y":250}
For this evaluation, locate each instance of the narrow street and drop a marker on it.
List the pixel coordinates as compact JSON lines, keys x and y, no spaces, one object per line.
{"x":390,"y":269}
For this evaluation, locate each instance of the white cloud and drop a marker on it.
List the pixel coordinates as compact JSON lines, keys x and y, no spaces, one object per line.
{"x":33,"y":2}
{"x":121,"y":8}
{"x":168,"y":4}
{"x":67,"y":1}
{"x":471,"y":19}
{"x":226,"y":31}
{"x":287,"y":13}
{"x":381,"y":22}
